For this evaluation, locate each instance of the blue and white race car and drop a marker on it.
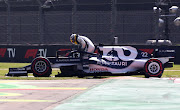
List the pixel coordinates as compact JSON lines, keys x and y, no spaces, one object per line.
{"x":107,"y":60}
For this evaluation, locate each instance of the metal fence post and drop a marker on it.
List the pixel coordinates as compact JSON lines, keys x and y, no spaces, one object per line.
{"x":74,"y":10}
{"x":41,"y":23}
{"x":113,"y":17}
{"x":157,"y":22}
{"x":9,"y":40}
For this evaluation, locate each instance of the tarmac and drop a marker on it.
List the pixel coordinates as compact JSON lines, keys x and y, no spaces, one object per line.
{"x":115,"y":93}
{"x":40,"y":94}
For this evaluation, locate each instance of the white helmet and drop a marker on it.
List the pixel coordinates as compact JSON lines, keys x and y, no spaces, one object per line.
{"x":73,"y":38}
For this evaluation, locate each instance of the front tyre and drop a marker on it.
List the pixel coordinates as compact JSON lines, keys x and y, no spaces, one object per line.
{"x":153,"y":68}
{"x":41,"y":67}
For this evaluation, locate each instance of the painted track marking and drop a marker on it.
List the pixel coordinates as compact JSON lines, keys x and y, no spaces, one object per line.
{"x":48,"y":88}
{"x":24,"y":100}
{"x":9,"y":94}
{"x":128,"y":93}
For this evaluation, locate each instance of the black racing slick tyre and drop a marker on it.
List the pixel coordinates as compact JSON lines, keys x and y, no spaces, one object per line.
{"x":153,"y":68}
{"x":80,"y":74}
{"x":41,"y":67}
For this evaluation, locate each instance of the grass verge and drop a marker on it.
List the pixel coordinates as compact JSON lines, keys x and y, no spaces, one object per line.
{"x":169,"y":72}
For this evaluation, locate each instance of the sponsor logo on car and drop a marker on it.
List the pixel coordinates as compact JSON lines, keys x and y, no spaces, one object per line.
{"x":116,"y":63}
{"x":98,"y":69}
{"x":67,"y":60}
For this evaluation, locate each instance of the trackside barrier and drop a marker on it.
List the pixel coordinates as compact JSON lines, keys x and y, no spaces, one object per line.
{"x":25,"y":54}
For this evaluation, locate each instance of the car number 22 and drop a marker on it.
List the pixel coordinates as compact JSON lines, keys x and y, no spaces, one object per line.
{"x":144,"y":54}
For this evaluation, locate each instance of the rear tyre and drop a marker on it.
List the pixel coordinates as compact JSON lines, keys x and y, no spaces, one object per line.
{"x":67,"y":71}
{"x":80,"y":74}
{"x":153,"y":68}
{"x":41,"y":67}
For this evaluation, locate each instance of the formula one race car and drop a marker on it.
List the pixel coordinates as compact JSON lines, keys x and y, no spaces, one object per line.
{"x":108,"y":60}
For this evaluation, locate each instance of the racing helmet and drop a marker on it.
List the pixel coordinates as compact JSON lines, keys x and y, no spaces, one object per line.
{"x":73,"y":38}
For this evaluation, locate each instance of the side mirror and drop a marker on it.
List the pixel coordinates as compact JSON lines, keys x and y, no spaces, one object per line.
{"x":173,"y":9}
{"x":155,"y":10}
{"x":161,"y":22}
{"x":177,"y":21}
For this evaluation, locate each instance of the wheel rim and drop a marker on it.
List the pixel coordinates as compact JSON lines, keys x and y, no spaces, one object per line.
{"x":154,"y":67}
{"x":40,"y":66}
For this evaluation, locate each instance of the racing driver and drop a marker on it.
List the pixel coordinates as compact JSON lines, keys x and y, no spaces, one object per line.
{"x":86,"y":44}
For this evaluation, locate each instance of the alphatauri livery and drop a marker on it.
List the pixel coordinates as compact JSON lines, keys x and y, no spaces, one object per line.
{"x":100,"y":60}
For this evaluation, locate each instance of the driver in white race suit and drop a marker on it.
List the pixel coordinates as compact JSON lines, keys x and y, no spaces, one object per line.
{"x":85,"y":42}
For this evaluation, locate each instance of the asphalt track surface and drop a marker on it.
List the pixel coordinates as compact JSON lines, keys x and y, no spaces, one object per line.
{"x":40,"y":94}
{"x":118,"y":93}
